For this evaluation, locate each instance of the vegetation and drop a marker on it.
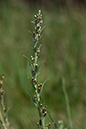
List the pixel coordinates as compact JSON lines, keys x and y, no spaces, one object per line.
{"x":63,"y":48}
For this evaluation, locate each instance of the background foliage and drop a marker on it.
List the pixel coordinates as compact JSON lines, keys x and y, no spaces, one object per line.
{"x":64,"y":49}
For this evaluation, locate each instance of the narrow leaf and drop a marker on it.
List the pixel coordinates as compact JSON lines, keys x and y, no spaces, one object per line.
{"x":27,"y":58}
{"x":37,"y":74}
{"x":43,"y":85}
{"x":32,"y":22}
{"x":32,"y":39}
{"x":40,"y":37}
{"x":42,"y":28}
{"x":30,"y":67}
{"x":7,"y":118}
{"x":40,"y":46}
{"x":30,"y":81}
{"x":32,"y":97}
{"x":41,"y":64}
{"x":30,"y":32}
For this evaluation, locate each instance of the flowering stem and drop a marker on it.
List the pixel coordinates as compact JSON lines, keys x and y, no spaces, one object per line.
{"x":36,"y":35}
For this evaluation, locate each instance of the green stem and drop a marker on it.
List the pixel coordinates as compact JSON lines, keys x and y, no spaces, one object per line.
{"x":67,"y":105}
{"x":2,"y":120}
{"x":38,"y":97}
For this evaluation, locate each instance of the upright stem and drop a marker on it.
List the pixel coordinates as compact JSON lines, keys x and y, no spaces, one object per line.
{"x":2,"y":106}
{"x":2,"y":120}
{"x":35,"y":67}
{"x":67,"y":104}
{"x":38,"y":97}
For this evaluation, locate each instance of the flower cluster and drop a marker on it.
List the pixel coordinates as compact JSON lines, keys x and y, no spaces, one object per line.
{"x":2,"y":94}
{"x":34,"y":66}
{"x":4,"y":123}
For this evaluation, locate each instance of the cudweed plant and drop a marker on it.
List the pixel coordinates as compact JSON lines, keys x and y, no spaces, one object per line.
{"x":38,"y":87}
{"x":34,"y":67}
{"x":4,"y":123}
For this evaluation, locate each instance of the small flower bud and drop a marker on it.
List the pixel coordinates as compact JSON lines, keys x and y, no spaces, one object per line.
{"x":35,"y":21}
{"x":45,"y":106}
{"x":37,"y":124}
{"x":38,"y":35}
{"x":39,"y":11}
{"x":38,"y":51}
{"x":39,"y":89}
{"x":35,"y":16}
{"x":35,"y":97}
{"x":41,"y":21}
{"x":38,"y":31}
{"x":45,"y":113}
{"x":4,"y":109}
{"x":40,"y":84}
{"x":40,"y":122}
{"x":35,"y":81}
{"x":41,"y":105}
{"x":49,"y":125}
{"x":33,"y":33}
{"x":33,"y":72}
{"x":32,"y":78}
{"x":35,"y":48}
{"x":36,"y":66}
{"x":32,"y":58}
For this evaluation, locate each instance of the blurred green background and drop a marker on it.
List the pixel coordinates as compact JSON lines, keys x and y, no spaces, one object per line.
{"x":63,"y":48}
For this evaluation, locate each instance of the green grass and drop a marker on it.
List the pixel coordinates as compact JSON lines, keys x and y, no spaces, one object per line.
{"x":63,"y":49}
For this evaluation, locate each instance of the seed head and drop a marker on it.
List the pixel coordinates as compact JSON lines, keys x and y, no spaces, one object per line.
{"x":33,"y":72}
{"x":38,"y":51}
{"x":40,"y":122}
{"x":35,"y":16}
{"x":36,"y":66}
{"x":39,"y":11}
{"x":45,"y":113}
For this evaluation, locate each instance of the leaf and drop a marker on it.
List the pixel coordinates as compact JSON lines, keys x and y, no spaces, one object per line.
{"x":37,"y":74}
{"x":35,"y":43}
{"x":30,"y":32}
{"x":26,"y":58}
{"x":40,"y":46}
{"x":30,"y":67}
{"x":43,"y":85}
{"x":33,"y":22}
{"x":42,"y":29}
{"x":7,"y":118}
{"x":54,"y":124}
{"x":40,"y":37}
{"x":32,"y":98}
{"x":7,"y":112}
{"x":30,"y":81}
{"x":32,"y":39}
{"x":41,"y":64}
